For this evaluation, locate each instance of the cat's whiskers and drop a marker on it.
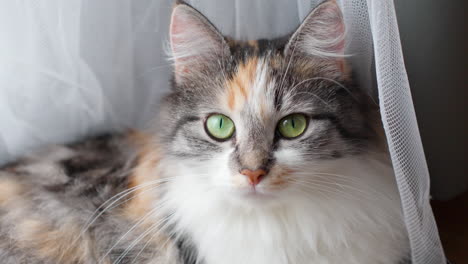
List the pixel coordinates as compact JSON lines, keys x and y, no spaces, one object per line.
{"x":326,"y":79}
{"x":117,"y":198}
{"x":135,"y":258}
{"x":364,"y":192}
{"x":154,"y":227}
{"x":133,"y":227}
{"x":171,"y":237}
{"x":359,"y":197}
{"x":307,"y":193}
{"x":348,"y":180}
{"x":366,"y":188}
{"x":139,"y":222}
{"x":281,"y":87}
{"x":314,"y":95}
{"x":324,"y":186}
{"x":112,"y":205}
{"x":166,"y":181}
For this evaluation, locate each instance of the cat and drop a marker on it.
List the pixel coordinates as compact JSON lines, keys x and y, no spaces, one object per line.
{"x":264,"y":152}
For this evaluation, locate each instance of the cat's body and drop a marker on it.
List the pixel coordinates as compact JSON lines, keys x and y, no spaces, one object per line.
{"x":264,"y":153}
{"x":53,"y":210}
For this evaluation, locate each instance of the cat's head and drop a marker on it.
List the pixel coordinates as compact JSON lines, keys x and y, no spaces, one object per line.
{"x":257,"y":120}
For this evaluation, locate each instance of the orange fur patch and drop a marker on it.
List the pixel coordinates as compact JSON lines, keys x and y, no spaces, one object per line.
{"x":345,"y":68}
{"x":253,"y":43}
{"x":281,"y":178}
{"x":145,"y":171}
{"x":240,"y":85}
{"x":142,"y":200}
{"x":263,"y":109}
{"x":56,"y":244}
{"x":8,"y":190}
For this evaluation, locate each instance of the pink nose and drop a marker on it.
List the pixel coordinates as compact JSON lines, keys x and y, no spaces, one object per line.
{"x":254,"y":176}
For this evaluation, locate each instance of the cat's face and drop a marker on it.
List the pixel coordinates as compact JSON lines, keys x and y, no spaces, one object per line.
{"x":258,"y":121}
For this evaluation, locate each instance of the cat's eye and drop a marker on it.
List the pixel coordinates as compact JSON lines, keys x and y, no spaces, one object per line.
{"x":219,"y":127}
{"x":292,"y":126}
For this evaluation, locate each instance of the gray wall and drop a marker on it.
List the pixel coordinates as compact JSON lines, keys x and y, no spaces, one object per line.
{"x":434,"y":36}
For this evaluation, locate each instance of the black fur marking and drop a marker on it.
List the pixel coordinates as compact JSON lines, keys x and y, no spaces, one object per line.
{"x":323,"y":116}
{"x":188,"y":252}
{"x":345,"y":133}
{"x":336,"y":154}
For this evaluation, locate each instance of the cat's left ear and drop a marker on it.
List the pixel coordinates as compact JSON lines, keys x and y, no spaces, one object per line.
{"x":322,"y":33}
{"x":195,"y":43}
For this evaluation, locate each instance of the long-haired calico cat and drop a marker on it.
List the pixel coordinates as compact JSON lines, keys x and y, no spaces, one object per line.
{"x":263,"y":153}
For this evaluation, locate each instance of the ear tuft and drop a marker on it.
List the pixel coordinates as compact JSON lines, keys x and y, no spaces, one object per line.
{"x":322,"y":33}
{"x":195,"y":42}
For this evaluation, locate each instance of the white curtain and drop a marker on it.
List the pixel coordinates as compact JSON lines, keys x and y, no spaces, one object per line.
{"x":78,"y":67}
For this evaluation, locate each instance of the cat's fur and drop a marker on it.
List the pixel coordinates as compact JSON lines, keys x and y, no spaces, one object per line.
{"x":329,"y":195}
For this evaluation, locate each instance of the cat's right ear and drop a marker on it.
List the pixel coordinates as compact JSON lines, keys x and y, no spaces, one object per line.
{"x":195,"y":43}
{"x":322,"y":33}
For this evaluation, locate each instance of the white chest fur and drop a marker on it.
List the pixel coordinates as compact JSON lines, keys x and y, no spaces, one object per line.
{"x":358,"y":225}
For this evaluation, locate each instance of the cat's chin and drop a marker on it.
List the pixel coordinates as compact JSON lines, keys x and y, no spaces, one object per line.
{"x":253,"y":196}
{"x":255,"y":193}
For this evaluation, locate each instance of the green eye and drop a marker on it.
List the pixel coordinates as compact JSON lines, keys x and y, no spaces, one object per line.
{"x":219,"y":126}
{"x":292,"y":126}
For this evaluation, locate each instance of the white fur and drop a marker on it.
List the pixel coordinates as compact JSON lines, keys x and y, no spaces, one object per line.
{"x":357,"y":224}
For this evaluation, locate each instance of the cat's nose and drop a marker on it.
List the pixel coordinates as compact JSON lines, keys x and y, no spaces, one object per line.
{"x":255,"y":176}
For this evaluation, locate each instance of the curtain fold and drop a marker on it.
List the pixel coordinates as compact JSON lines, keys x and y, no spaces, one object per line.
{"x":402,"y":132}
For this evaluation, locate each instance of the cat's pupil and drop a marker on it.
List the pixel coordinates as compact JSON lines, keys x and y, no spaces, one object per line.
{"x":292,"y":123}
{"x":220,"y":123}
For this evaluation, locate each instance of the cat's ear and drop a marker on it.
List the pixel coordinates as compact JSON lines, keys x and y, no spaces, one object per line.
{"x":322,"y":33}
{"x":195,"y":42}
